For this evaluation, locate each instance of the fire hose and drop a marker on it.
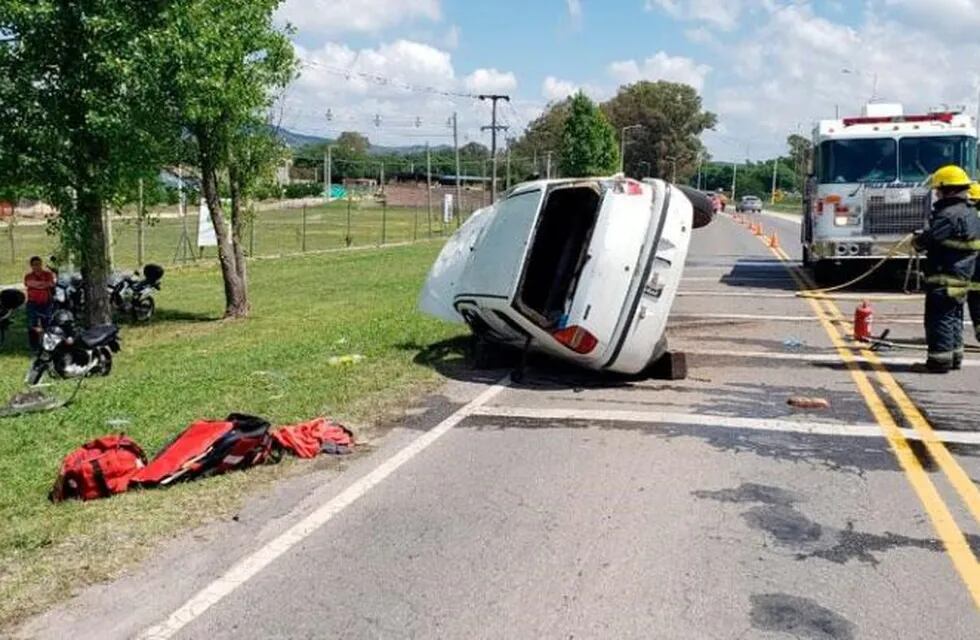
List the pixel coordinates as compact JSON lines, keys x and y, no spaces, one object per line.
{"x":821,"y":294}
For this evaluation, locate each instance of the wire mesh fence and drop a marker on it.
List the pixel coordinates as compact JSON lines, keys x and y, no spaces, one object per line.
{"x":273,"y":231}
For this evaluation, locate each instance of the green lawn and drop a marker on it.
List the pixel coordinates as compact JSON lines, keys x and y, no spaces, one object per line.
{"x":276,"y":232}
{"x":786,"y":207}
{"x":188,"y":365}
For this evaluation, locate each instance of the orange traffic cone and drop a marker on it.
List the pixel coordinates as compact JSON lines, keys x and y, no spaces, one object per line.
{"x":774,"y":241}
{"x":759,"y":231}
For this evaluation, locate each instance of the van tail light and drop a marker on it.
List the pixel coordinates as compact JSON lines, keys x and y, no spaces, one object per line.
{"x":633,"y":188}
{"x":577,"y":339}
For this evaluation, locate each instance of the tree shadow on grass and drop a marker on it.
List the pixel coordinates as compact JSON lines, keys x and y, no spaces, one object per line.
{"x":176,"y":315}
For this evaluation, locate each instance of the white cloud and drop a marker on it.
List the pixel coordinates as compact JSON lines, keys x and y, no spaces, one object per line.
{"x":786,"y":71}
{"x":723,"y":15}
{"x":956,"y":16}
{"x":701,"y":35}
{"x":451,"y":39}
{"x":554,"y":89}
{"x":660,"y":66}
{"x":400,"y":92}
{"x":339,"y":16}
{"x":575,"y":13}
{"x":490,"y":81}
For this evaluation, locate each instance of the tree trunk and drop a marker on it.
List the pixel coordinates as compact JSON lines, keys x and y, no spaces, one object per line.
{"x":237,"y":223}
{"x":94,"y":264}
{"x":236,"y":295}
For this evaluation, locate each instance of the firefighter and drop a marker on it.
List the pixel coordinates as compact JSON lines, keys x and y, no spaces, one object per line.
{"x":951,"y":243}
{"x":973,"y":299}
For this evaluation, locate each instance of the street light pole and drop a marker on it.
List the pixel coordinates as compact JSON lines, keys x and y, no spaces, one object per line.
{"x":622,"y":145}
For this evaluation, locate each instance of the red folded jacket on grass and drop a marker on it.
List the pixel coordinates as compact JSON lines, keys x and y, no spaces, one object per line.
{"x":310,"y":439}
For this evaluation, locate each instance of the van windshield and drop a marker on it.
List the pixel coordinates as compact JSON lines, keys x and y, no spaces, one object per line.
{"x":920,"y":157}
{"x":852,"y":161}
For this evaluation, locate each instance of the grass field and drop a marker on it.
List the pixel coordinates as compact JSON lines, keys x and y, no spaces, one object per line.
{"x":276,"y":232}
{"x":189,"y":364}
{"x":786,"y":207}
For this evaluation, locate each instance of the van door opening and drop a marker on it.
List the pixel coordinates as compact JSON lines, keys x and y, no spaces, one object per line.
{"x":558,"y":252}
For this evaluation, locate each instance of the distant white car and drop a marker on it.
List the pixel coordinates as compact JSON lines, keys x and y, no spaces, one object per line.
{"x":749,"y":204}
{"x":584,"y":270}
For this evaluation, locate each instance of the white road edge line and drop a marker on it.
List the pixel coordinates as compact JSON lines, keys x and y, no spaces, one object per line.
{"x":248,"y":567}
{"x":856,"y":430}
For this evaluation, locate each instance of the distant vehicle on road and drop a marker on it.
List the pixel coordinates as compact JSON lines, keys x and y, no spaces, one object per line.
{"x":749,"y":204}
{"x":868,"y":185}
{"x":584,"y":270}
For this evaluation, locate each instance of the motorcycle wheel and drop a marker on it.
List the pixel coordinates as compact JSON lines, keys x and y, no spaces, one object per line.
{"x":143,"y":310}
{"x":105,"y":367}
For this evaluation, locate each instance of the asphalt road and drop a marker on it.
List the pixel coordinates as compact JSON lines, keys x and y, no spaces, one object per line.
{"x":576,"y":507}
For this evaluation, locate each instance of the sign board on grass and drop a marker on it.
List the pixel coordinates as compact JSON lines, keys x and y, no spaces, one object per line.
{"x":206,"y":237}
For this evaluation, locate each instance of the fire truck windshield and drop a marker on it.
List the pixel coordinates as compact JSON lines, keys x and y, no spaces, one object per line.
{"x":921,"y":156}
{"x":857,"y":161}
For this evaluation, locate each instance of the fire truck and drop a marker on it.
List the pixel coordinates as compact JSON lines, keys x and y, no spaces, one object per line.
{"x":869,"y":186}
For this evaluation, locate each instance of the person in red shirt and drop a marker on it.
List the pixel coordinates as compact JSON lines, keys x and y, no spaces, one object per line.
{"x":39,"y":283}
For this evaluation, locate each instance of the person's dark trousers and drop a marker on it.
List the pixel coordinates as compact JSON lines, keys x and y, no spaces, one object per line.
{"x":944,"y":328}
{"x":37,"y":315}
{"x":973,"y":302}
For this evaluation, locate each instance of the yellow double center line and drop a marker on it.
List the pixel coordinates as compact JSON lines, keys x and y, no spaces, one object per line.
{"x":949,"y":532}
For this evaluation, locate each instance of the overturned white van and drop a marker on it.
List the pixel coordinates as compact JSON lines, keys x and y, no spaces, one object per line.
{"x":585,"y":270}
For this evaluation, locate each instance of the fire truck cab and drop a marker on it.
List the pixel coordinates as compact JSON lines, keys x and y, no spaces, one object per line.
{"x":869,"y":185}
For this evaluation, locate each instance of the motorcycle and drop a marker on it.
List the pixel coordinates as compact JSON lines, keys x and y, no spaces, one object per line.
{"x":10,"y":301}
{"x":133,"y":296}
{"x":68,"y":293}
{"x":67,"y":353}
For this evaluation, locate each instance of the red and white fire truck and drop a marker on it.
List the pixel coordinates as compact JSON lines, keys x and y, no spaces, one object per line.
{"x":869,"y":184}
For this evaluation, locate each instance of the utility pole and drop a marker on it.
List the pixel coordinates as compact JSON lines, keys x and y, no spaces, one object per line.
{"x":494,"y":98}
{"x":508,"y":164}
{"x":734,"y":179}
{"x":775,"y":168}
{"x":700,"y":165}
{"x":547,"y":172}
{"x":382,"y":177}
{"x":459,"y":187}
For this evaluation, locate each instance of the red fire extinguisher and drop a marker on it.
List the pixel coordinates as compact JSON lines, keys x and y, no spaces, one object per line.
{"x":863,"y":317}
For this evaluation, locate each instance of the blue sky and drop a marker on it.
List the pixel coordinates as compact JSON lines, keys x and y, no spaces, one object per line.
{"x":395,"y":69}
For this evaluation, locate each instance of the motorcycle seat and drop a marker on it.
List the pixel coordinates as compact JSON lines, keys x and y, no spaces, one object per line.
{"x":100,"y":336}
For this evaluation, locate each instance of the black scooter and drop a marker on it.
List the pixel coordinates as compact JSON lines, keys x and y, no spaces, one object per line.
{"x":67,"y":353}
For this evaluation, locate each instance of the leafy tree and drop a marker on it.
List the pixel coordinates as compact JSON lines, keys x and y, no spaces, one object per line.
{"x":355,"y":143}
{"x":801,"y":153}
{"x":672,"y":119}
{"x":81,"y":112}
{"x":226,"y":62}
{"x":543,"y":134}
{"x":588,"y":141}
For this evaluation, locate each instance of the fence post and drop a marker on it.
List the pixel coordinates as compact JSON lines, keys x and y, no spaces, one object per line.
{"x":251,"y":230}
{"x":348,"y":239}
{"x":304,"y":229}
{"x":415,"y":230}
{"x":13,"y":243}
{"x":140,"y":239}
{"x":384,"y":221}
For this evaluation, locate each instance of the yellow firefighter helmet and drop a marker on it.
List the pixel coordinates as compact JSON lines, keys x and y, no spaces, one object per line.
{"x":951,"y":176}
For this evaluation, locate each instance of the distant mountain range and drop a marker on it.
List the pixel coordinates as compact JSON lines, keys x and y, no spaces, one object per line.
{"x":299,"y":140}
